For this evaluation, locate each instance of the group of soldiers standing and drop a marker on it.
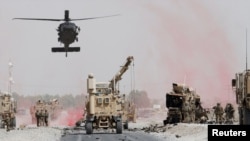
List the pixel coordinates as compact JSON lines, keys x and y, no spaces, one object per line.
{"x":42,"y":117}
{"x":219,"y":112}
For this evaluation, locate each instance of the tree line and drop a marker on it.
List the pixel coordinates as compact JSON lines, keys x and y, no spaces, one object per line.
{"x":139,"y":98}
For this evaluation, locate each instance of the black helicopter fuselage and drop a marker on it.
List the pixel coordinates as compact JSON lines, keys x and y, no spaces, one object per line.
{"x":67,"y":33}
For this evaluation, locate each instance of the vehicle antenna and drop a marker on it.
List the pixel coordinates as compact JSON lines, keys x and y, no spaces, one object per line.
{"x":246,"y":48}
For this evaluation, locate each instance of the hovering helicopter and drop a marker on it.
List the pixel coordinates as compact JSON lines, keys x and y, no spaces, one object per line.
{"x":67,"y":31}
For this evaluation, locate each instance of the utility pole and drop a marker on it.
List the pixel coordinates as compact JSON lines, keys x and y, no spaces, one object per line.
{"x":11,"y":81}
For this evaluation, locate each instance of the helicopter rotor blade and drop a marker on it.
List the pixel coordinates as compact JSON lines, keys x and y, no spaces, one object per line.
{"x":38,"y":19}
{"x":93,"y":18}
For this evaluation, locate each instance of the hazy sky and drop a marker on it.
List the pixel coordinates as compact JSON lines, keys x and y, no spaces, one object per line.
{"x":201,"y":43}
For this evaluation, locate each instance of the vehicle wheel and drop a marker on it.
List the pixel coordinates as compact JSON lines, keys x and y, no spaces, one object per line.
{"x":89,"y":127}
{"x":119,"y":127}
{"x":165,"y":122}
{"x":13,"y":123}
{"x":125,"y":126}
{"x":1,"y":124}
{"x":240,"y":116}
{"x":246,"y":116}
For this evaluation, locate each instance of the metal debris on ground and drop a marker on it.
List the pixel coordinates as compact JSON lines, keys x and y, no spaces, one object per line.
{"x":134,"y":129}
{"x":155,"y":128}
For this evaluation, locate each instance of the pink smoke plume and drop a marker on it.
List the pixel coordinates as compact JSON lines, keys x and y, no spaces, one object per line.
{"x":68,"y":117}
{"x":190,"y":42}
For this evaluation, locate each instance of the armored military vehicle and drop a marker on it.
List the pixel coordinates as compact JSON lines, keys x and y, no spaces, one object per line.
{"x":183,"y":105}
{"x":241,"y":87}
{"x":8,"y":109}
{"x":104,"y":105}
{"x":53,"y":107}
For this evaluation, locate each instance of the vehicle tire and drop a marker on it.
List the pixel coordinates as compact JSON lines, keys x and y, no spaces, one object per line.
{"x":240,"y":116}
{"x":246,"y":116}
{"x":1,"y":124}
{"x":13,"y":122}
{"x":119,"y":127}
{"x":165,"y":122}
{"x":89,"y":127}
{"x":125,"y":126}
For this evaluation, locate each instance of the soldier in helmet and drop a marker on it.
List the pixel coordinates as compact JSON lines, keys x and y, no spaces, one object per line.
{"x":229,"y":111}
{"x":186,"y":112}
{"x":218,"y":111}
{"x":41,"y":118}
{"x":46,"y":116}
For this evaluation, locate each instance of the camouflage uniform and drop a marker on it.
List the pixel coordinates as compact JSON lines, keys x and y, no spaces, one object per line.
{"x":37,"y":118}
{"x":218,"y":111}
{"x":186,"y":112}
{"x":192,"y":111}
{"x":41,"y":118}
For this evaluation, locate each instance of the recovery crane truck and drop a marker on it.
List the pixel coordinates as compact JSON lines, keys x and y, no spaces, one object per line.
{"x":104,"y":105}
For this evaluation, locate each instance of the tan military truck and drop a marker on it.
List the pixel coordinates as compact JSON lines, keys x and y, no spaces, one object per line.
{"x":183,"y":105}
{"x":39,"y":107}
{"x":8,"y":109}
{"x":241,"y":87}
{"x":53,"y":108}
{"x":104,"y":106}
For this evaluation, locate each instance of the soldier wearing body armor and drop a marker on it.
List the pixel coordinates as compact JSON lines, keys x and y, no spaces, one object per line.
{"x":218,"y":111}
{"x":37,"y":114}
{"x":229,"y":113}
{"x":192,"y":110}
{"x":41,"y":118}
{"x":46,"y":117}
{"x":186,"y":112}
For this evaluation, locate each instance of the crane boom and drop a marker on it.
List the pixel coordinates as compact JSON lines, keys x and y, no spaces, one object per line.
{"x":119,"y":74}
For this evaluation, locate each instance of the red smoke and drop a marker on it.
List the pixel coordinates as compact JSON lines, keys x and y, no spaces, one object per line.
{"x":69,"y":117}
{"x":190,"y":43}
{"x":73,"y":116}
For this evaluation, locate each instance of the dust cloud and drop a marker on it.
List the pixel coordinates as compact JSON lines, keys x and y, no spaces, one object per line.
{"x":192,"y":48}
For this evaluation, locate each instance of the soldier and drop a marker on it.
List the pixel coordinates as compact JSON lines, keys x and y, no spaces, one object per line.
{"x":41,"y":118}
{"x":46,"y":116}
{"x":229,"y":111}
{"x":186,"y":112}
{"x":218,"y":111}
{"x":192,"y":111}
{"x":37,"y":118}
